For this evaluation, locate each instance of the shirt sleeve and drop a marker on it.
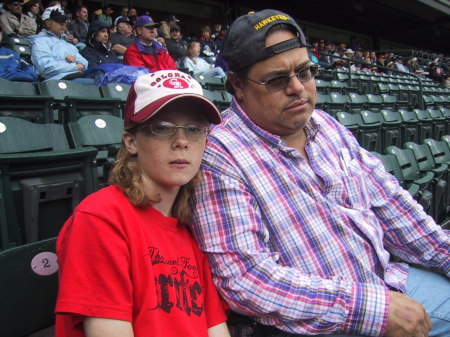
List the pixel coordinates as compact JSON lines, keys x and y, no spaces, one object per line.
{"x":231,"y":229}
{"x":94,"y":269}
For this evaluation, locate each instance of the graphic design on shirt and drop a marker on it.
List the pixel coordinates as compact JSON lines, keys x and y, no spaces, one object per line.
{"x":177,"y":283}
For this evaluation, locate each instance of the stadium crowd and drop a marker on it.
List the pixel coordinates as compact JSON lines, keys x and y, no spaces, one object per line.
{"x":66,"y":42}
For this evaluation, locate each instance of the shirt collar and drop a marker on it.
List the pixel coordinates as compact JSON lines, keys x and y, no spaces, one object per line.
{"x":311,"y":127}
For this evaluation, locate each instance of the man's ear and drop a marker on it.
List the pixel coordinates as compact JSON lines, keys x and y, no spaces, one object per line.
{"x":129,"y":140}
{"x":237,"y":83}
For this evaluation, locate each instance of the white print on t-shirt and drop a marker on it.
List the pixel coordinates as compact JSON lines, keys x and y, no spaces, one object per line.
{"x":177,"y":285}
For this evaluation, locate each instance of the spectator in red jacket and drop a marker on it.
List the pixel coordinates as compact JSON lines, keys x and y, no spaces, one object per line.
{"x":146,"y":51}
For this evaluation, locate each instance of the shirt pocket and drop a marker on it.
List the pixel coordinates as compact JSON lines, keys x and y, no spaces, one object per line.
{"x":356,"y":194}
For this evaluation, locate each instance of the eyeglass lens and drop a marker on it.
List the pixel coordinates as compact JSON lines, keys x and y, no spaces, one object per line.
{"x":166,"y":129}
{"x":303,"y":75}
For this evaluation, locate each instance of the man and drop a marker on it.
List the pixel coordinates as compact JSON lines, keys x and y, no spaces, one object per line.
{"x":165,"y":26}
{"x":80,"y":26}
{"x":399,"y":64}
{"x":299,"y":222}
{"x":123,"y":15}
{"x":325,"y":57}
{"x":175,"y":45}
{"x":14,"y":23}
{"x":146,"y":51}
{"x":121,"y":40}
{"x":53,"y":57}
{"x":336,"y":61}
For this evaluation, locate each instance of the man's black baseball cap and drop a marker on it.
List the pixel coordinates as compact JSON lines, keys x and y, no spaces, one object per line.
{"x":244,"y":43}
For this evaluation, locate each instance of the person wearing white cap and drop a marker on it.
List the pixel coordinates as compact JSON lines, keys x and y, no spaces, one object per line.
{"x":52,"y":55}
{"x":128,"y":264}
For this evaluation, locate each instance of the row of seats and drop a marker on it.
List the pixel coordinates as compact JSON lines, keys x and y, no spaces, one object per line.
{"x":377,"y":130}
{"x":353,"y":102}
{"x":424,"y":170}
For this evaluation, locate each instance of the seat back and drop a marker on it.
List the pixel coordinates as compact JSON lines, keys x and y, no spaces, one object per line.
{"x":392,"y":128}
{"x":76,"y":100}
{"x":410,"y":130}
{"x":28,"y":288}
{"x":20,"y":100}
{"x":371,"y":130}
{"x":425,"y":124}
{"x":42,"y":180}
{"x":103,"y":132}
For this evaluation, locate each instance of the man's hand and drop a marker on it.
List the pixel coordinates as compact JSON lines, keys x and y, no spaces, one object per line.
{"x":80,"y":67}
{"x":70,"y":59}
{"x":407,"y":318}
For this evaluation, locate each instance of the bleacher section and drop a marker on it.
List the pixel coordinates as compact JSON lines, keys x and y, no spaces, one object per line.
{"x":58,"y":141}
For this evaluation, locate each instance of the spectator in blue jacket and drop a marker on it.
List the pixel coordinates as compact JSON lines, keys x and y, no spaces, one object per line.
{"x":54,"y":57}
{"x":98,"y":48}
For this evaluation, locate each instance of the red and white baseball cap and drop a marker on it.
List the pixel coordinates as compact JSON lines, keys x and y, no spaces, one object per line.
{"x":152,"y":92}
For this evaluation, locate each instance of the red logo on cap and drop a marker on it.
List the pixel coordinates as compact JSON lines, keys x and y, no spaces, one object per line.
{"x":175,"y":83}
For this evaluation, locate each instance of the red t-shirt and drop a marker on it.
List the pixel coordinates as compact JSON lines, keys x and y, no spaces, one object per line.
{"x":121,"y":262}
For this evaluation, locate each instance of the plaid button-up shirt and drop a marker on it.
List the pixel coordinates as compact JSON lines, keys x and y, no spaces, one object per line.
{"x":307,"y":247}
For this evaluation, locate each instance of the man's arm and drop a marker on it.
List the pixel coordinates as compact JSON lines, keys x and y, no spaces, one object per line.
{"x":119,"y":49}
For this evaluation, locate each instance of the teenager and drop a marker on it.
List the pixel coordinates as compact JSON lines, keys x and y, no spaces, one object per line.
{"x":128,"y":264}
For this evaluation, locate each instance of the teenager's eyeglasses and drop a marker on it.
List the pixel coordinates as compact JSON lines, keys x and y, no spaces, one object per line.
{"x":166,"y":129}
{"x":280,"y":82}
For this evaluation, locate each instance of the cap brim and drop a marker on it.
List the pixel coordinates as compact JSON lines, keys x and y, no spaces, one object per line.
{"x":212,"y":113}
{"x":60,"y":19}
{"x":156,"y":25}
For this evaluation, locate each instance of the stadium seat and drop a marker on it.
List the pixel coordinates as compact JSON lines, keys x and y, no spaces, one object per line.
{"x":322,"y":101}
{"x":351,"y":122}
{"x":211,"y":83}
{"x":371,"y":131}
{"x":412,"y":174}
{"x":392,"y":166}
{"x":389,"y":102}
{"x":410,"y":127}
{"x":356,"y":103}
{"x":392,"y":128}
{"x":381,"y":88}
{"x":446,"y":115}
{"x":428,"y":101}
{"x":338,"y":103}
{"x":21,"y":46}
{"x":374,"y":103}
{"x":322,"y":86}
{"x":425,"y":124}
{"x":41,"y":180}
{"x":74,"y":100}
{"x":403,"y":98}
{"x":116,"y":90}
{"x":28,"y":288}
{"x":426,"y":163}
{"x":19,"y":99}
{"x":221,"y":99}
{"x":439,"y":123}
{"x":103,"y":132}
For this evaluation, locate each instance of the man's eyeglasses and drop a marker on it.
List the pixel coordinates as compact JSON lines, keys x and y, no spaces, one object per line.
{"x":280,"y":82}
{"x":167,"y":129}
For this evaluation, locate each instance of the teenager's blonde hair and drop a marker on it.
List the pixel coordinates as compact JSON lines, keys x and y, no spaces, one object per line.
{"x":127,"y":175}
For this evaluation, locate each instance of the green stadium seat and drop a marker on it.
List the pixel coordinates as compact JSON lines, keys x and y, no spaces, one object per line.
{"x":19,"y":99}
{"x":338,"y":103}
{"x":103,"y":132}
{"x":116,"y":90}
{"x":352,"y":122}
{"x":211,"y":83}
{"x":410,"y":128}
{"x":220,"y":98}
{"x":439,"y":123}
{"x":28,"y":288}
{"x":412,"y":175}
{"x":356,"y":103}
{"x":374,"y":103}
{"x":41,"y":181}
{"x":389,"y":102}
{"x":426,"y":163}
{"x":446,"y":115}
{"x":322,"y":86}
{"x":75,"y":100}
{"x":425,"y":124}
{"x":391,"y":166}
{"x":371,"y":131}
{"x":392,"y":128}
